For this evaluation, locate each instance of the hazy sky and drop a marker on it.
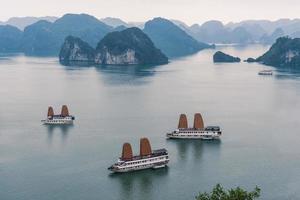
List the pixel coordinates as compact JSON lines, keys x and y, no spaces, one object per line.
{"x":189,"y":11}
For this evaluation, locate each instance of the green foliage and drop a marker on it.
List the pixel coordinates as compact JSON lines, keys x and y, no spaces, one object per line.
{"x":218,"y":193}
{"x":278,"y":53}
{"x":119,"y":42}
{"x":219,"y":56}
{"x":69,"y":48}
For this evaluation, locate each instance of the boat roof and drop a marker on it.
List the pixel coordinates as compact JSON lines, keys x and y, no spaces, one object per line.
{"x":192,"y":129}
{"x":62,"y":116}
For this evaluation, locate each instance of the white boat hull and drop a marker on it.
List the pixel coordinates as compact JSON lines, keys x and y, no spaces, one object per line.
{"x":51,"y":122}
{"x":59,"y":120}
{"x":159,"y":162}
{"x":202,"y":134}
{"x":199,"y":137}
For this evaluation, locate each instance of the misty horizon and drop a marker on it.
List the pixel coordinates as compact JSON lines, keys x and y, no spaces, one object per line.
{"x":136,"y":21}
{"x":139,"y":11}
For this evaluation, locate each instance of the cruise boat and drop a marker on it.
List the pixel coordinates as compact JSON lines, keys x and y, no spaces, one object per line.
{"x":147,"y":158}
{"x":63,"y":118}
{"x":266,"y":72}
{"x":198,"y":131}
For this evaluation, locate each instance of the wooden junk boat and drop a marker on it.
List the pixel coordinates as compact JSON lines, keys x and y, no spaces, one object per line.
{"x":198,"y":131}
{"x":63,"y":118}
{"x":146,"y":159}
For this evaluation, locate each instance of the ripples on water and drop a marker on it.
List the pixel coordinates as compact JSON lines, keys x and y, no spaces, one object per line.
{"x":114,"y":104}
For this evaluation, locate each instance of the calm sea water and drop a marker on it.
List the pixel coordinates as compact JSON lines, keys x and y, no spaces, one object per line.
{"x":259,"y":116}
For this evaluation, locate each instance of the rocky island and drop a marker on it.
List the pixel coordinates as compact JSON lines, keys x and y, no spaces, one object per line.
{"x":128,"y":47}
{"x":75,"y":50}
{"x":222,"y":57}
{"x":250,"y":60}
{"x":285,"y":52}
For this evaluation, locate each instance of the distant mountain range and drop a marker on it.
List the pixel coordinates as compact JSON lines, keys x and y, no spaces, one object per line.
{"x":114,"y":22}
{"x":45,"y":35}
{"x":245,"y":32}
{"x":172,"y":40}
{"x":22,"y":22}
{"x":46,"y":38}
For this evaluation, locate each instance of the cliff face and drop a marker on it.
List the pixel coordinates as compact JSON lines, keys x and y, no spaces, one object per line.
{"x":285,"y":52}
{"x":127,"y":47}
{"x":76,"y":50}
{"x":128,"y":57}
{"x":130,"y":46}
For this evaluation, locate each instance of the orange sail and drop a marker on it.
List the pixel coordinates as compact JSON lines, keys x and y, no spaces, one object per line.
{"x":183,"y":123}
{"x":64,"y":111}
{"x":50,"y":111}
{"x":145,"y":148}
{"x":198,"y":121}
{"x":127,"y":152}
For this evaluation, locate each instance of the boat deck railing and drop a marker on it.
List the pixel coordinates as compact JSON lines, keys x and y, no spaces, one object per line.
{"x":60,"y":117}
{"x":155,"y":153}
{"x":208,"y":128}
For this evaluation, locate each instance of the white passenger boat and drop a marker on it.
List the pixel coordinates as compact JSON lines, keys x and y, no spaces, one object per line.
{"x":198,"y":131}
{"x":147,"y":159}
{"x":266,"y":72}
{"x":63,"y":118}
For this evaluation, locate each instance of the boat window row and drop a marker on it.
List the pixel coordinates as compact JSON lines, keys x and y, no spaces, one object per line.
{"x":192,"y":132}
{"x":197,"y":132}
{"x":57,"y":120}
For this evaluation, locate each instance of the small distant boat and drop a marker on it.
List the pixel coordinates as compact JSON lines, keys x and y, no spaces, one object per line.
{"x":198,"y":131}
{"x":63,"y":118}
{"x":147,"y":159}
{"x":265,"y":72}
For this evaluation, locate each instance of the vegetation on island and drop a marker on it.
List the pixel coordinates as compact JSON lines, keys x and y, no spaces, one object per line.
{"x":76,"y":50}
{"x":129,"y":46}
{"x":219,"y":56}
{"x":219,"y":193}
{"x":118,"y":42}
{"x":285,"y":52}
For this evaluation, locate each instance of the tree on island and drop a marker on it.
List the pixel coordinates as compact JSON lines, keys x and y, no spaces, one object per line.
{"x":218,"y":193}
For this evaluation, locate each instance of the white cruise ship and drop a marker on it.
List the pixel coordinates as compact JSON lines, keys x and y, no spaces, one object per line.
{"x":266,"y":72}
{"x":147,"y":158}
{"x":198,"y":131}
{"x":63,"y":118}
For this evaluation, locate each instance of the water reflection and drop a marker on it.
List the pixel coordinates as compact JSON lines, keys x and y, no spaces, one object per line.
{"x":62,"y":129}
{"x":142,"y":181}
{"x":131,"y":74}
{"x":74,"y":64}
{"x":119,"y":74}
{"x":289,"y":73}
{"x":195,"y":147}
